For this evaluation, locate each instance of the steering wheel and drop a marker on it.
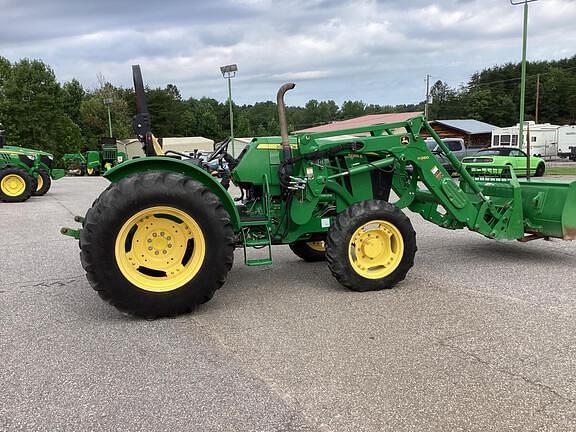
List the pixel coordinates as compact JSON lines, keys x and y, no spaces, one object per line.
{"x":220,"y":150}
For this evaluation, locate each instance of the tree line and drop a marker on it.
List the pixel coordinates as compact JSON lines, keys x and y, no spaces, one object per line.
{"x":40,"y":112}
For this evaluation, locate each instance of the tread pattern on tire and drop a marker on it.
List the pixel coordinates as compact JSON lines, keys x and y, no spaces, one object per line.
{"x":47,"y":182}
{"x":132,"y":193}
{"x":337,"y":244}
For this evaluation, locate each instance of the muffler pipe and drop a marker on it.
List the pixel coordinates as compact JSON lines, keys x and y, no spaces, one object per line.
{"x":286,"y":149}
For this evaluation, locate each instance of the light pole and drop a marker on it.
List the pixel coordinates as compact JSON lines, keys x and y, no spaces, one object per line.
{"x":229,"y":72}
{"x":523,"y":77}
{"x":108,"y":103}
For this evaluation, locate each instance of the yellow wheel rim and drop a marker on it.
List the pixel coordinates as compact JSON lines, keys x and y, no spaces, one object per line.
{"x":90,"y":171}
{"x":160,"y":249}
{"x":40,"y":182}
{"x":376,"y":249}
{"x":317,"y":246}
{"x":13,"y":185}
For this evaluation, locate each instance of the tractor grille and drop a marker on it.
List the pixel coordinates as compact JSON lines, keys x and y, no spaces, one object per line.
{"x":109,"y":154}
{"x":26,"y":160}
{"x":46,"y":160}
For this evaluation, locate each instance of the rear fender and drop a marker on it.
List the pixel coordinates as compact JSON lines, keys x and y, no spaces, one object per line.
{"x":153,"y":163}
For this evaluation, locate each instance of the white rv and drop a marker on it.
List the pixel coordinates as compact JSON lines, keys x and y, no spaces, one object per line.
{"x":567,"y":142}
{"x":543,"y":138}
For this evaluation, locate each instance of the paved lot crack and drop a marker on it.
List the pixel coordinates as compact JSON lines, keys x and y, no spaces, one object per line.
{"x":46,"y":283}
{"x":445,"y":343}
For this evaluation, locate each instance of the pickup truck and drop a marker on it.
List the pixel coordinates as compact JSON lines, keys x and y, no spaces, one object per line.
{"x":456,"y":146}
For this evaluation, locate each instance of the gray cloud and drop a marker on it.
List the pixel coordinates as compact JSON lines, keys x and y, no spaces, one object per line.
{"x":375,"y":50}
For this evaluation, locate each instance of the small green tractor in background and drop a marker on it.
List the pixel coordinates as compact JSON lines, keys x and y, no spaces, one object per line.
{"x":160,"y":240}
{"x":25,"y":172}
{"x":95,"y":162}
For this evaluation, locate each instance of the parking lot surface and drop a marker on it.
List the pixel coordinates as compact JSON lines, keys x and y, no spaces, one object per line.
{"x":481,"y":336}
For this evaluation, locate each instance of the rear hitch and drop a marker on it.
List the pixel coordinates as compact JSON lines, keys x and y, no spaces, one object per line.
{"x":70,"y":232}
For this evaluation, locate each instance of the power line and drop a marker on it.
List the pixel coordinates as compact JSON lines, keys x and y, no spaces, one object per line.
{"x":517,"y":79}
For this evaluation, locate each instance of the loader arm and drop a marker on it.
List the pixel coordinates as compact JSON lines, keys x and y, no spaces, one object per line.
{"x":498,"y":207}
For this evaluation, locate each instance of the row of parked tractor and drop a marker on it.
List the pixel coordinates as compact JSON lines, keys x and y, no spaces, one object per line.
{"x":26,"y":172}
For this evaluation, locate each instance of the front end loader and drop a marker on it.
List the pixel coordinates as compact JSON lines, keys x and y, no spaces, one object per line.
{"x":160,"y":240}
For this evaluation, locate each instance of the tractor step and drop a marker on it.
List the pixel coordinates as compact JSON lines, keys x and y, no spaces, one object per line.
{"x":252,"y":237}
{"x":258,"y":262}
{"x":256,"y":243}
{"x":245,"y":222}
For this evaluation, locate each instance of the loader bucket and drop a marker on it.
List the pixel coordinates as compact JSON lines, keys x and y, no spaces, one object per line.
{"x":549,"y":208}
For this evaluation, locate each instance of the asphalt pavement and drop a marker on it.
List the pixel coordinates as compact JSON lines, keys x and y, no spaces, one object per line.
{"x":481,"y":336}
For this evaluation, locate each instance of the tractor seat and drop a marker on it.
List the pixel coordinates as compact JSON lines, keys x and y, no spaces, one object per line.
{"x":152,"y":147}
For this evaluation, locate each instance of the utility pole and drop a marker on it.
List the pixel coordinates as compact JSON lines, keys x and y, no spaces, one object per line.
{"x":523,"y":77}
{"x":537,"y":98}
{"x":108,"y":102}
{"x":427,"y":95}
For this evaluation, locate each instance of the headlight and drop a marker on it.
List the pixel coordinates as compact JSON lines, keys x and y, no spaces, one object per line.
{"x":31,"y":157}
{"x":51,"y":157}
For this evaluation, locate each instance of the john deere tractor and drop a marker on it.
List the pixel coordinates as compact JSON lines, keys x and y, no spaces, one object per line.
{"x":17,"y":176}
{"x":160,"y":240}
{"x":95,"y":162}
{"x":36,"y":163}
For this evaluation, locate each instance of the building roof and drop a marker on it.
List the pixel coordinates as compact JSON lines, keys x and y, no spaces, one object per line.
{"x":367,"y":120}
{"x":469,"y":126}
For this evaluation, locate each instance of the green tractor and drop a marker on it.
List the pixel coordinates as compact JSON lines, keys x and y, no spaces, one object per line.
{"x":41,"y":169}
{"x":17,"y":175}
{"x":95,"y":162}
{"x":160,"y":240}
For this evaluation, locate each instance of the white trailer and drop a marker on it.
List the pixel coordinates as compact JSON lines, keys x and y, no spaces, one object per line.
{"x":543,"y":138}
{"x":567,"y":142}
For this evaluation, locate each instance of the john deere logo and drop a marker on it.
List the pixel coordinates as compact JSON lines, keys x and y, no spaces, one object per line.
{"x":405,"y":140}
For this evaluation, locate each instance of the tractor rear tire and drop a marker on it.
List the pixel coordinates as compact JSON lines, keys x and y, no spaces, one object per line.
{"x":43,"y":183}
{"x":157,"y":244}
{"x":310,"y":251}
{"x":371,"y":246}
{"x":16,"y":185}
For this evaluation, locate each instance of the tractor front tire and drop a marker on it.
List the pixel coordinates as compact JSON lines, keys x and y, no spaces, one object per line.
{"x":371,"y":246}
{"x":157,"y":244}
{"x":16,"y":185}
{"x":311,"y":251}
{"x":92,"y":172}
{"x":43,"y":183}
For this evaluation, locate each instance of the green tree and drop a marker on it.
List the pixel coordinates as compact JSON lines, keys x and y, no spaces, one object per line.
{"x":94,"y":115}
{"x":351,"y":109}
{"x":73,"y":95}
{"x":32,"y":109}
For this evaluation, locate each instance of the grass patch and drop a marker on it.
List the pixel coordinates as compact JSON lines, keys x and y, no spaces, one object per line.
{"x":561,"y":170}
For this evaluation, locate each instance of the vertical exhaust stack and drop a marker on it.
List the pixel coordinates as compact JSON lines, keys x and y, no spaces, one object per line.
{"x":286,"y":149}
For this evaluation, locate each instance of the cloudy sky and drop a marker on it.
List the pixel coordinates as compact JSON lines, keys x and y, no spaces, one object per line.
{"x":375,"y":50}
